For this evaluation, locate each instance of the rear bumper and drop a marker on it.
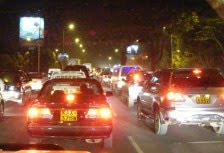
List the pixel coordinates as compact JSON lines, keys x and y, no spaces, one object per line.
{"x":70,"y":131}
{"x":207,"y":117}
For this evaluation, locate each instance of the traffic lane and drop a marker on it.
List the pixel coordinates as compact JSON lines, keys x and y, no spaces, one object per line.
{"x":129,"y":135}
{"x":15,"y":116}
{"x":181,"y":139}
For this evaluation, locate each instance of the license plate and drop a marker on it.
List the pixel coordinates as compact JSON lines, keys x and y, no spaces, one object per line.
{"x":203,"y":99}
{"x":68,"y":115}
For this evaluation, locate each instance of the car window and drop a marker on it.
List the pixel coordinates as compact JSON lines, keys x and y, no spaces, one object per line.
{"x":86,"y":89}
{"x":204,"y":79}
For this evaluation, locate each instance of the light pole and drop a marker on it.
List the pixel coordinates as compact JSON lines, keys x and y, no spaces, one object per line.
{"x":70,"y":27}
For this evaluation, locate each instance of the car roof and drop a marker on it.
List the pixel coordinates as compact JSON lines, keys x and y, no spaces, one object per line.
{"x":74,"y":79}
{"x":186,"y":69}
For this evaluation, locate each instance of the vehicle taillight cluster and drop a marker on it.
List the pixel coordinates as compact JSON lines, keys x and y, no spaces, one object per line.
{"x":222,"y":98}
{"x":175,"y":96}
{"x":104,"y":113}
{"x":136,"y":78}
{"x":39,"y":113}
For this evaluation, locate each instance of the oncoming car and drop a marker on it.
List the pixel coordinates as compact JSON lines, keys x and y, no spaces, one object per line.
{"x":71,"y":108}
{"x":183,"y":96}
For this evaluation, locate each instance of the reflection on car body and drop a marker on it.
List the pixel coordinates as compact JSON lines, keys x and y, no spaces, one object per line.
{"x":183,"y":96}
{"x":133,"y":85}
{"x":71,"y":108}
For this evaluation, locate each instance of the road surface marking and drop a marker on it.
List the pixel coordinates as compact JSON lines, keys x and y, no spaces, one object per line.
{"x":205,"y":142}
{"x":135,"y":145}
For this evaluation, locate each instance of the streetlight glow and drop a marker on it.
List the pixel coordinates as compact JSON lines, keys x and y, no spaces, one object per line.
{"x":77,"y":40}
{"x":109,"y":58}
{"x":116,"y":50}
{"x":71,"y":26}
{"x":80,"y":45}
{"x":83,"y":50}
{"x":56,"y":50}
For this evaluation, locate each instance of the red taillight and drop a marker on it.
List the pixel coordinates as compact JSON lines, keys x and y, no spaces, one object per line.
{"x":197,"y":71}
{"x":175,"y":96}
{"x":222,"y":98}
{"x":136,"y":78}
{"x":39,"y":113}
{"x":33,"y":113}
{"x":104,"y":113}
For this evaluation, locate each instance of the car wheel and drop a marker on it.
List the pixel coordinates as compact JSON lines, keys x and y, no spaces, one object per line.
{"x":159,"y":127}
{"x":1,"y":111}
{"x":220,"y":129}
{"x":35,"y":140}
{"x":108,"y":142}
{"x":139,"y":112}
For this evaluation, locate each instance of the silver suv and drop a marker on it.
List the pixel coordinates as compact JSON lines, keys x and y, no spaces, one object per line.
{"x":183,"y":96}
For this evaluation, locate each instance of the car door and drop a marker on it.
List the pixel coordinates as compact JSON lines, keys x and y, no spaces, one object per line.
{"x":144,"y":97}
{"x":152,"y":92}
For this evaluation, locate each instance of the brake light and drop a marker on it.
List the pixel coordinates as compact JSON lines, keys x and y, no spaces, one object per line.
{"x":33,"y":113}
{"x":222,"y":98}
{"x":104,"y":113}
{"x":70,"y":97}
{"x":39,"y":113}
{"x":197,"y":71}
{"x":136,"y":78}
{"x":175,"y":96}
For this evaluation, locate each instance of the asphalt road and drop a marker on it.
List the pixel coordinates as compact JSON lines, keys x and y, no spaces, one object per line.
{"x":129,"y":135}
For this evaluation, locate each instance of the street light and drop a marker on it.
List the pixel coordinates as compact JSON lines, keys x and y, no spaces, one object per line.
{"x":80,"y":45}
{"x":77,"y":40}
{"x":116,"y":50}
{"x":70,"y":27}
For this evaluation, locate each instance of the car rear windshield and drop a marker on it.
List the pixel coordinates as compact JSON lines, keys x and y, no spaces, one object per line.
{"x":206,"y":78}
{"x":126,"y":70}
{"x":55,"y":89}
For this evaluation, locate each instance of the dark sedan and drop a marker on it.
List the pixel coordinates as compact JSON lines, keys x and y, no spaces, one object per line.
{"x":71,"y":108}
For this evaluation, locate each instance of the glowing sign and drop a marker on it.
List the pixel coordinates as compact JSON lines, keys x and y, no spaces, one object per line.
{"x":31,"y":29}
{"x":133,"y":49}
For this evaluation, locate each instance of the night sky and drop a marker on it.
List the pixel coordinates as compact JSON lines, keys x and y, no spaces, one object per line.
{"x":94,"y":19}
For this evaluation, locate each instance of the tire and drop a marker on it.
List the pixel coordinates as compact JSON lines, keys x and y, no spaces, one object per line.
{"x":220,"y":129}
{"x":159,"y":127}
{"x":108,"y":142}
{"x":1,"y":110}
{"x":139,"y":115}
{"x":33,"y":140}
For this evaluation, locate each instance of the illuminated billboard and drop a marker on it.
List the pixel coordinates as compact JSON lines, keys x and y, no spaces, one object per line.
{"x":31,"y":30}
{"x":132,"y":49}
